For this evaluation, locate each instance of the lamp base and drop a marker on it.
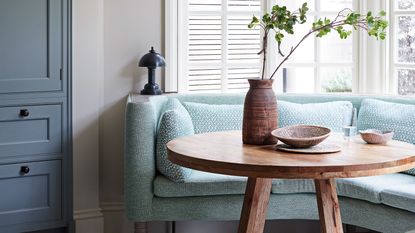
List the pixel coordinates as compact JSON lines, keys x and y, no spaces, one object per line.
{"x":151,"y":89}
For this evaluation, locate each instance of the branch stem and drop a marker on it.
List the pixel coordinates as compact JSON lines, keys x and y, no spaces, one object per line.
{"x":264,"y":51}
{"x":298,"y":44}
{"x":330,"y":25}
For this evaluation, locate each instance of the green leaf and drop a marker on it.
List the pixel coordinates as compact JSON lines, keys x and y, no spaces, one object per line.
{"x":382,"y":35}
{"x":253,"y":22}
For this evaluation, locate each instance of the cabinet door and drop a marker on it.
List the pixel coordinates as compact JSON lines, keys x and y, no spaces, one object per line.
{"x":30,"y":192}
{"x":30,"y":130}
{"x":30,"y":46}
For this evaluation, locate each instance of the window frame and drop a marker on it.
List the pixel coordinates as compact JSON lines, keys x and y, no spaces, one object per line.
{"x":393,"y":64}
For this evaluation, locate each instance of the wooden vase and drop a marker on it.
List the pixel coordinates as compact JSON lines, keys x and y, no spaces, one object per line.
{"x":260,"y":113}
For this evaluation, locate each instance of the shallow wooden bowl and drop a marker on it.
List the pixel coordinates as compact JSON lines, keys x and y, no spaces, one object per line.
{"x":374,"y":136}
{"x":301,"y":136}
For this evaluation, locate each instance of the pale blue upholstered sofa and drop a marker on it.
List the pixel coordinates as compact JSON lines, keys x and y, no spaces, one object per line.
{"x":383,"y":203}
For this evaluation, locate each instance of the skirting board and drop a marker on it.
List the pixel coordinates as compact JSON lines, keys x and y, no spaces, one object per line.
{"x":115,"y":220}
{"x":112,"y":207}
{"x":89,"y":221}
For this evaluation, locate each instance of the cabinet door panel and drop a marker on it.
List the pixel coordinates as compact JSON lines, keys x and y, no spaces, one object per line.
{"x":30,"y":45}
{"x":40,"y":132}
{"x":32,"y":196}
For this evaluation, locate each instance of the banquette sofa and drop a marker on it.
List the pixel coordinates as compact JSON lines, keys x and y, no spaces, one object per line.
{"x":381,"y":203}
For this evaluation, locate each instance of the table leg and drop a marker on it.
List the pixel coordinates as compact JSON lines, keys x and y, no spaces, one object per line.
{"x":254,"y":210}
{"x":328,"y":206}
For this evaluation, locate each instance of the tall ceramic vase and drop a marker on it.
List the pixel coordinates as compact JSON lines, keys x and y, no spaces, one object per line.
{"x":260,"y":113}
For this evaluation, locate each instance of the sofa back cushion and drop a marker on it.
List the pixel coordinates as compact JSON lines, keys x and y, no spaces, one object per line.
{"x":222,"y":117}
{"x":175,"y":122}
{"x":400,"y":118}
{"x":333,"y":115}
{"x":215,"y":117}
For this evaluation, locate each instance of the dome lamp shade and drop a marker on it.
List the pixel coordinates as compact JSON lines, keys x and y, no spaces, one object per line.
{"x":152,"y":59}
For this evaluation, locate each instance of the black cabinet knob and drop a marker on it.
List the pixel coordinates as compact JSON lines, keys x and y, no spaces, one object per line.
{"x":24,"y":113}
{"x":24,"y":169}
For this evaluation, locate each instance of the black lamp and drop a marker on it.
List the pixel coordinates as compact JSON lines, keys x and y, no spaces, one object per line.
{"x":152,"y":60}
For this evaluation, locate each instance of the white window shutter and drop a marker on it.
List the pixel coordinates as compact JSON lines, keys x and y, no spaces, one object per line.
{"x":221,"y":52}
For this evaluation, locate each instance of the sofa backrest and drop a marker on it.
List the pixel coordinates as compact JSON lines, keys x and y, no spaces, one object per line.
{"x":236,"y":99}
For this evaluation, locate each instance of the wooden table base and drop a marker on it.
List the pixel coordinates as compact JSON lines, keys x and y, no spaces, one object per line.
{"x":328,"y":206}
{"x":258,"y":191}
{"x":254,"y":210}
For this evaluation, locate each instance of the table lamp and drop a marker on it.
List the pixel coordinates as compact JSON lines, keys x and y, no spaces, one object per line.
{"x":152,"y":60}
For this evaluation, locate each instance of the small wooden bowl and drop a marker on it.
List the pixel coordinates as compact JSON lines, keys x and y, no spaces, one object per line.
{"x":301,"y":136}
{"x":374,"y":136}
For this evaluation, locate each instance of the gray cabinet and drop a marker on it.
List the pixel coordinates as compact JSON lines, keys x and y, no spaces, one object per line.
{"x":35,"y":116}
{"x":30,"y":45}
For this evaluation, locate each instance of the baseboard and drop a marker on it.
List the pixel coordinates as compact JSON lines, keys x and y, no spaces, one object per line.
{"x":115,"y":219}
{"x":89,"y":221}
{"x":112,"y":207}
{"x":87,"y":214}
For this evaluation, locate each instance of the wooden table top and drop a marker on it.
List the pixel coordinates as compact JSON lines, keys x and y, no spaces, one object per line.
{"x":224,"y":152}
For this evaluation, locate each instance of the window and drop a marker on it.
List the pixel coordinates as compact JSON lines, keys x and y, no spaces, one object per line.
{"x":403,"y":46}
{"x":212,"y":50}
{"x":325,"y":64}
{"x":217,"y":51}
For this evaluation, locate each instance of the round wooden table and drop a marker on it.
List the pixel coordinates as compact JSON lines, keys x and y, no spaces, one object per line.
{"x":224,"y":152}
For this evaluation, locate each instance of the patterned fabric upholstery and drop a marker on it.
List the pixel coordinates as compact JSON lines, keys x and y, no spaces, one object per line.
{"x":402,"y":196}
{"x":175,"y":122}
{"x":142,"y":204}
{"x":400,"y":118}
{"x":209,"y":184}
{"x":215,"y":117}
{"x":333,"y":115}
{"x":200,"y":184}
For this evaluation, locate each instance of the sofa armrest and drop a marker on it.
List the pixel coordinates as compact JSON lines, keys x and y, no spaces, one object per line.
{"x":139,"y":160}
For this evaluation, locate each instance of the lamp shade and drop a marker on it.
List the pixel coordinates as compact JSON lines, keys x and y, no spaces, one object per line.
{"x":152,"y":59}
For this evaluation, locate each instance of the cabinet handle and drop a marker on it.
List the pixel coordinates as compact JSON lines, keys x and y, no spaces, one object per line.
{"x":24,"y":113}
{"x":24,"y":169}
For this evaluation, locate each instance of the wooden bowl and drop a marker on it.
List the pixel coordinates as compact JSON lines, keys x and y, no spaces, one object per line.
{"x":301,"y":136}
{"x":374,"y":136}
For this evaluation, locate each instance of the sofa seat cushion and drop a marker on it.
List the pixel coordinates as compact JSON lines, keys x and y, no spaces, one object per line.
{"x":363,"y":188}
{"x":288,"y":186}
{"x":402,"y":197}
{"x":200,"y":184}
{"x":369,"y":188}
{"x":333,"y":115}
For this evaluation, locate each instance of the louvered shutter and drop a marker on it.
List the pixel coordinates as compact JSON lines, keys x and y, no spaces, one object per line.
{"x":219,"y":51}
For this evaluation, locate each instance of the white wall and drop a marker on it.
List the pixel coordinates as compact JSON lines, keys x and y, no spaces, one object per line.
{"x":130,"y":28}
{"x":87,"y":89}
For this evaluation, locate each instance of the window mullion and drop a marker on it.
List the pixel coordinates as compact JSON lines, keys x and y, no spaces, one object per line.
{"x":224,"y":46}
{"x":393,"y":82}
{"x":183,"y":49}
{"x":357,"y":48}
{"x":317,"y":81}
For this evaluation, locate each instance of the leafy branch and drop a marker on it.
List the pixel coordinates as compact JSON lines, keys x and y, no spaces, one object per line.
{"x":281,"y":21}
